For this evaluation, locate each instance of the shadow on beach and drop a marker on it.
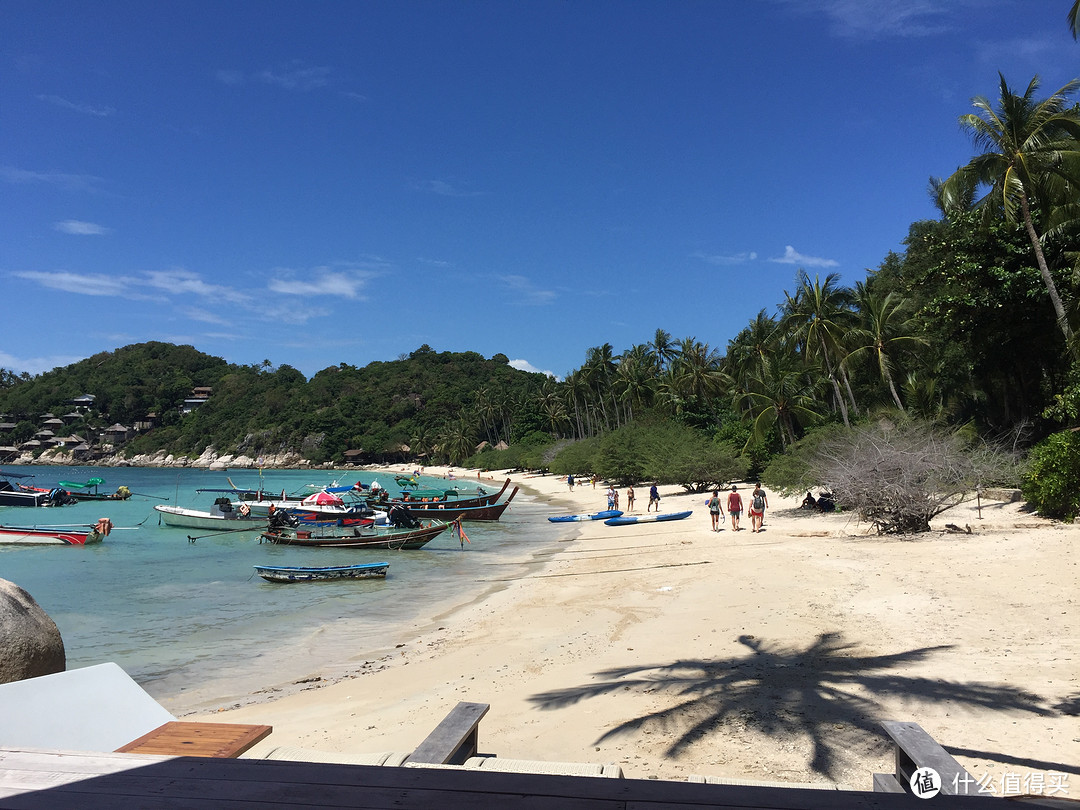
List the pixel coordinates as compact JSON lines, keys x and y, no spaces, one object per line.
{"x":811,"y":692}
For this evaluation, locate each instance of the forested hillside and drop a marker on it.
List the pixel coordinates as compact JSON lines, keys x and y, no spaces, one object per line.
{"x":415,"y":401}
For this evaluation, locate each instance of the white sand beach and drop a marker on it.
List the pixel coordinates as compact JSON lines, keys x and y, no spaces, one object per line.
{"x":674,"y":650}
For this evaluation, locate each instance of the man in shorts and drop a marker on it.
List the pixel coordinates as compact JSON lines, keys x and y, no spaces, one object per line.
{"x":758,"y":503}
{"x":734,"y":507}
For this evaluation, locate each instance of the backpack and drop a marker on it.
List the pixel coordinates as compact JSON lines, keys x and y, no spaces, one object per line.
{"x":759,"y":502}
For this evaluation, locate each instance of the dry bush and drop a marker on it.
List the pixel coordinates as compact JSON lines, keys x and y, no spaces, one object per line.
{"x":899,"y":476}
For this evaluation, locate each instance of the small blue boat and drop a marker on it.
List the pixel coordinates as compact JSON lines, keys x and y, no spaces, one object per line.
{"x":608,"y":513}
{"x":627,"y":521}
{"x":284,"y":573}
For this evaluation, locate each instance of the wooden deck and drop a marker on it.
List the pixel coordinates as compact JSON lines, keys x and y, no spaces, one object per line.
{"x":55,"y":780}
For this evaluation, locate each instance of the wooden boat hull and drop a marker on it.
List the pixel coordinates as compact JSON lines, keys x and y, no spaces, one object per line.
{"x":605,"y":515}
{"x":357,"y":538}
{"x":281,"y":573}
{"x":628,"y":521}
{"x":446,"y":511}
{"x":181,"y":517}
{"x":28,"y":536}
{"x":97,"y":496}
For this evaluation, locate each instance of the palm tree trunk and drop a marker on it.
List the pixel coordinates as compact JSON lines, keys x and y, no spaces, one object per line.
{"x":836,"y":385}
{"x":1048,"y":280}
{"x":892,"y":387}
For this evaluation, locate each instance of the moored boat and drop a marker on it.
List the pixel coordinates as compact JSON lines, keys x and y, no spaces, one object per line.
{"x":55,"y":535}
{"x":88,"y":491}
{"x":451,"y":511}
{"x":653,"y":518}
{"x":215,"y":518}
{"x":284,"y":573}
{"x":355,"y":537}
{"x":607,"y":513}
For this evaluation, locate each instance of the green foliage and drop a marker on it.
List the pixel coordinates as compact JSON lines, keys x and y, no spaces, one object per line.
{"x":653,"y":450}
{"x":260,"y":410}
{"x":793,"y":472}
{"x":1050,"y":484}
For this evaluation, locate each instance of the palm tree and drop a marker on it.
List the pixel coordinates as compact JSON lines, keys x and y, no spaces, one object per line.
{"x":1074,"y":19}
{"x":752,"y":345}
{"x":778,"y":394}
{"x":663,"y":347}
{"x":697,"y":373}
{"x":883,"y":329}
{"x":1031,"y":154}
{"x":819,"y":315}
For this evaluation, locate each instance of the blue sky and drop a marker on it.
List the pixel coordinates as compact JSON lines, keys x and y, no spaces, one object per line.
{"x":322,"y":182}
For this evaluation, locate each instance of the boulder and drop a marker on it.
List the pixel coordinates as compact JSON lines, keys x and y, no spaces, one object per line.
{"x":30,"y":642}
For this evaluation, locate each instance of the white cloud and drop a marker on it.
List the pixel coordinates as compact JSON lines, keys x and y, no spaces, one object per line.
{"x":444,"y":189}
{"x":37,"y":365}
{"x":90,"y":284}
{"x":525,"y":365}
{"x":886,"y":18}
{"x":86,"y":109}
{"x":80,"y":228}
{"x":526,"y":291}
{"x":296,"y":76}
{"x":326,"y":282}
{"x":155,"y":285}
{"x":737,"y":258}
{"x":791,"y":256}
{"x":178,"y":281}
{"x":71,"y":182}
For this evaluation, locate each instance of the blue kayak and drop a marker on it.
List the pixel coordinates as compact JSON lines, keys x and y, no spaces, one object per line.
{"x":609,"y":513}
{"x":627,"y":521}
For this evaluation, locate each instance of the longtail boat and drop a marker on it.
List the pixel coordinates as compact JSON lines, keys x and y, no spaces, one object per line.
{"x":55,"y":535}
{"x":451,"y":511}
{"x":75,"y":490}
{"x":284,"y":573}
{"x":355,"y":537}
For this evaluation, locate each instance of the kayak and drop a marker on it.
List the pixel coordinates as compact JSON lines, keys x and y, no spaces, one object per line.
{"x":609,"y":513}
{"x":626,"y":521}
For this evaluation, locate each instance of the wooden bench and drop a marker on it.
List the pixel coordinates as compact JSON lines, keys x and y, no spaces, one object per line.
{"x":454,"y":740}
{"x":915,"y":749}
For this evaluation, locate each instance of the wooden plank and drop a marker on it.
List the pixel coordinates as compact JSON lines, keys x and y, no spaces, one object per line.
{"x":182,"y":738}
{"x":887,"y":783}
{"x":916,"y":749}
{"x":455,"y":739}
{"x":183,"y":783}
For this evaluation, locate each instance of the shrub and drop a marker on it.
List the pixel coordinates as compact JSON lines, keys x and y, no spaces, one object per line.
{"x":1050,"y":484}
{"x":899,"y":476}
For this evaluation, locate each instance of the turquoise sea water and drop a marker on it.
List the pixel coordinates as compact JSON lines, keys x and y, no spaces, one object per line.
{"x":194,"y":625}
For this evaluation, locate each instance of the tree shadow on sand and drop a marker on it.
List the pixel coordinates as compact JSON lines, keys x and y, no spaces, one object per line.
{"x":785,"y":691}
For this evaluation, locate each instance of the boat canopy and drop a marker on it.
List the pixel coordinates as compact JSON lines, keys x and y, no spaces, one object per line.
{"x":93,"y":482}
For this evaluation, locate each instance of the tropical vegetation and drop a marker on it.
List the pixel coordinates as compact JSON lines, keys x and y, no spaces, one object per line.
{"x":969,"y":331}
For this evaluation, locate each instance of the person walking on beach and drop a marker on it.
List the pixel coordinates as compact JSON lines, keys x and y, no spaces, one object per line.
{"x":630,"y":498}
{"x":570,"y":482}
{"x":759,"y":501}
{"x":716,"y":512}
{"x":615,"y":492}
{"x":654,"y":499}
{"x":734,"y":507}
{"x":610,"y":498}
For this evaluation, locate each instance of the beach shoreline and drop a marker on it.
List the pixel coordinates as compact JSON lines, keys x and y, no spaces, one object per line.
{"x":674,"y":650}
